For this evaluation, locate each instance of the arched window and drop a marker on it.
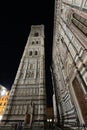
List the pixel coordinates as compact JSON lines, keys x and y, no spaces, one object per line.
{"x":37,"y":42}
{"x":36,"y":34}
{"x":30,"y":53}
{"x":35,"y":52}
{"x":32,"y":42}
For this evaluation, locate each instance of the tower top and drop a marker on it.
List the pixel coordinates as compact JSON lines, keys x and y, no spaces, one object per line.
{"x":37,"y":30}
{"x":37,"y":26}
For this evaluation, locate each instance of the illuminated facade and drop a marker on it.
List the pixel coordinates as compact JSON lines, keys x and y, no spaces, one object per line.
{"x":69,"y":65}
{"x":4,"y":95}
{"x":27,"y":102}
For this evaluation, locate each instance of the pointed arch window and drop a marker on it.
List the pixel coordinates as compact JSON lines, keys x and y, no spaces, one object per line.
{"x":30,"y":53}
{"x":36,"y":34}
{"x":32,"y":42}
{"x":36,"y":52}
{"x":37,"y":42}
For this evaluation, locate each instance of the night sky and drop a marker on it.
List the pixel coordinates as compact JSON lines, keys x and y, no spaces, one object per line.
{"x":15,"y":22}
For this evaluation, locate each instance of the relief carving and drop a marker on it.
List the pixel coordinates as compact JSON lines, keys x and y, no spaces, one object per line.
{"x":21,"y":75}
{"x":32,"y":66}
{"x":69,"y":16}
{"x":38,"y":74}
{"x":30,"y":74}
{"x":27,"y":75}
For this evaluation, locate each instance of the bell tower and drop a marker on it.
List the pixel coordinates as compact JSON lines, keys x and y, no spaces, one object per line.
{"x":27,"y":101}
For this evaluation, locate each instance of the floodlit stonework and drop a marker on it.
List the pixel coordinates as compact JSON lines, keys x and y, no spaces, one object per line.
{"x":69,"y":66}
{"x":27,"y":101}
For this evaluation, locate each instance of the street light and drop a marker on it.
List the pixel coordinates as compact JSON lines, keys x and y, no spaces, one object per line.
{"x":50,"y":120}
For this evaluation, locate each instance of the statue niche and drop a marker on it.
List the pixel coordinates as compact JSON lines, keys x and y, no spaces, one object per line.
{"x":30,"y":74}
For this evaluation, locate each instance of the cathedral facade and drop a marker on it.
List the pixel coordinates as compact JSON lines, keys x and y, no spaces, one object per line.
{"x":27,"y":100}
{"x":69,"y":61}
